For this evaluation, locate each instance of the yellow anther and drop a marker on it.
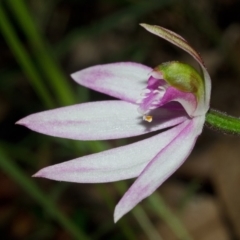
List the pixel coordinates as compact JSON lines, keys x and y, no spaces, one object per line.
{"x":148,"y":118}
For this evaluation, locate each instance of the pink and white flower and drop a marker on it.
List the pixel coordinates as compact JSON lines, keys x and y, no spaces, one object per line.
{"x":172,"y":96}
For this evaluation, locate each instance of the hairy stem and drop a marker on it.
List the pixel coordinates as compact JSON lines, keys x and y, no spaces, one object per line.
{"x":223,"y":122}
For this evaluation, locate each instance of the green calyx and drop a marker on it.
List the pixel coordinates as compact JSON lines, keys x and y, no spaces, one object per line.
{"x":182,"y":76}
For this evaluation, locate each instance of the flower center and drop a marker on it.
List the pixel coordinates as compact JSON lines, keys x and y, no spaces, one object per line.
{"x":151,"y":95}
{"x":168,"y":82}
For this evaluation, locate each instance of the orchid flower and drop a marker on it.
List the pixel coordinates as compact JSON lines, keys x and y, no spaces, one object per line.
{"x":172,"y":96}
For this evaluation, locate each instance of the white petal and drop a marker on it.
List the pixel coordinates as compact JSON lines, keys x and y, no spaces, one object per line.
{"x":100,"y":120}
{"x":167,"y":161}
{"x":122,"y":80}
{"x":112,"y":165}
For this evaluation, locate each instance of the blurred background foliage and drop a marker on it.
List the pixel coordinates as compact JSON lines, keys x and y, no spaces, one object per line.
{"x":41,"y":43}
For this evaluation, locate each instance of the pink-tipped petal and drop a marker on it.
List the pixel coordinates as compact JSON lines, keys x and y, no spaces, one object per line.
{"x":112,"y":165}
{"x":122,"y":80}
{"x":180,"y":42}
{"x":161,"y":167}
{"x":100,"y":120}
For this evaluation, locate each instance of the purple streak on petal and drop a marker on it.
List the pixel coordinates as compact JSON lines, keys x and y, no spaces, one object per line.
{"x":167,"y":161}
{"x":100,"y":120}
{"x":154,"y":83}
{"x":156,"y":95}
{"x":123,"y":80}
{"x":112,"y":165}
{"x":151,"y":95}
{"x":187,"y":100}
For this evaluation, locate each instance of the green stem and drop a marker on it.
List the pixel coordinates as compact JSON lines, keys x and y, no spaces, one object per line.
{"x":10,"y":168}
{"x":223,"y":122}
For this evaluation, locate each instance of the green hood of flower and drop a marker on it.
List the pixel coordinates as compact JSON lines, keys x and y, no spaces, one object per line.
{"x":182,"y":76}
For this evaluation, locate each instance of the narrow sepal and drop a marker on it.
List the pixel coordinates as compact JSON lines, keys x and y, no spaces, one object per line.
{"x":161,"y":166}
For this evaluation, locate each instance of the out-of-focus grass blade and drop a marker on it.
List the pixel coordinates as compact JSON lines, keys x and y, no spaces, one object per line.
{"x":24,"y":59}
{"x":135,"y":11}
{"x":157,"y":203}
{"x":126,"y":229}
{"x":146,"y":224}
{"x":11,"y":169}
{"x":42,"y":53}
{"x":141,"y":216}
{"x":19,"y":152}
